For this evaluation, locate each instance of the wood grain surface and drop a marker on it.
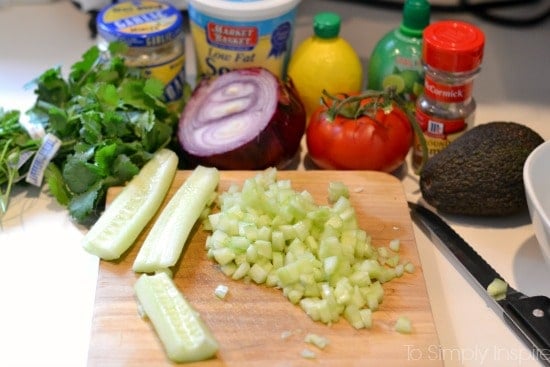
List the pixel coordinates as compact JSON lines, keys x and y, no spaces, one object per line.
{"x":250,"y":321}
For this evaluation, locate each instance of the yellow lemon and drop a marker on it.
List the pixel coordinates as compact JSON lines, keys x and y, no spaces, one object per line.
{"x":325,"y":61}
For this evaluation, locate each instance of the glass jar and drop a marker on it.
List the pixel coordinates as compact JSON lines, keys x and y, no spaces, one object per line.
{"x":153,"y":31}
{"x":452,"y":53}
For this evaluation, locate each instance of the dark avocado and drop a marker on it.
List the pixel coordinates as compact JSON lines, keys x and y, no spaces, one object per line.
{"x":481,"y":172}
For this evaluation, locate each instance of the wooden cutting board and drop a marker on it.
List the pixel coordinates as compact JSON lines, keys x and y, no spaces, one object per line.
{"x":250,"y":321}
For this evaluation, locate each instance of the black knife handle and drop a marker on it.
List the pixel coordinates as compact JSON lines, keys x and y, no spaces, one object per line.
{"x":532,"y":316}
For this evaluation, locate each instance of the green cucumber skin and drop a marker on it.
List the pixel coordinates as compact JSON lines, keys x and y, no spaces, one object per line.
{"x":133,"y":208}
{"x":166,"y":240}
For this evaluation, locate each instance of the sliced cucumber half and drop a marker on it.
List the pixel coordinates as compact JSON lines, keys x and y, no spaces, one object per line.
{"x":123,"y":220}
{"x":183,"y":333}
{"x":166,"y":240}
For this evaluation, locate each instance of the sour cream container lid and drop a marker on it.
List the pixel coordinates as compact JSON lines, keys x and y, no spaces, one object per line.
{"x":140,"y":23}
{"x":244,"y":10}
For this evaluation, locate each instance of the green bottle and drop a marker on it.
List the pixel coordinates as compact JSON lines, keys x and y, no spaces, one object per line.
{"x":396,"y":60}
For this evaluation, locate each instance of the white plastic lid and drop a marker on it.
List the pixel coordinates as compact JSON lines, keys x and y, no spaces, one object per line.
{"x":244,"y":10}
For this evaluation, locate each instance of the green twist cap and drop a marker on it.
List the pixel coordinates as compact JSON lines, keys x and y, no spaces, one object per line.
{"x":326,"y":25}
{"x":416,"y":17}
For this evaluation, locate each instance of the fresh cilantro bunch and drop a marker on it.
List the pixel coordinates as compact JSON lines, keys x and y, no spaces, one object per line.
{"x":110,"y":119}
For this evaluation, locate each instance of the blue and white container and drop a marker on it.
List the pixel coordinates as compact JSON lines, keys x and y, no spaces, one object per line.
{"x":153,"y":31}
{"x":236,"y":34}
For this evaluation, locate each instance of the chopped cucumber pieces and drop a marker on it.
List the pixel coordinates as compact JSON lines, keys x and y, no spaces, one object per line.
{"x":123,"y":220}
{"x":184,"y":335}
{"x":336,"y":189}
{"x":497,"y":289}
{"x":268,"y":233}
{"x":394,"y":245}
{"x":319,"y":341}
{"x":403,"y":325}
{"x":308,"y":354}
{"x":165,"y":242}
{"x":221,"y":291}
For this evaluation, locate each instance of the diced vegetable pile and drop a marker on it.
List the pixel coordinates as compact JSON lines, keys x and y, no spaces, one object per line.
{"x":267,"y":232}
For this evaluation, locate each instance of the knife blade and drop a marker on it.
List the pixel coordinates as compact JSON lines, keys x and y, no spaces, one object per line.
{"x":528,"y":316}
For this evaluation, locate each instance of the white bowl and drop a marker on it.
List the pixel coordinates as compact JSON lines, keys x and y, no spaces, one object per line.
{"x":536,"y":178}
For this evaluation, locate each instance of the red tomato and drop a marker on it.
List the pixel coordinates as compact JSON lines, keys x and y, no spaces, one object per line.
{"x":359,"y":143}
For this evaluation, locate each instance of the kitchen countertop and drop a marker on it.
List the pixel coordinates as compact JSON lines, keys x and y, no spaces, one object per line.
{"x":49,"y":282}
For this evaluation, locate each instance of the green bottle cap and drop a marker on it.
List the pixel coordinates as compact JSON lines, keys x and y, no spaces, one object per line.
{"x":416,"y":17}
{"x":326,"y":25}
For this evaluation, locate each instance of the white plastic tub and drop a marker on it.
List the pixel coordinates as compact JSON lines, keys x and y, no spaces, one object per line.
{"x":233,"y":34}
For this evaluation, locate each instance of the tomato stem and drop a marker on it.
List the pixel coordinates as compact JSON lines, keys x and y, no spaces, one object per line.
{"x":354,"y":107}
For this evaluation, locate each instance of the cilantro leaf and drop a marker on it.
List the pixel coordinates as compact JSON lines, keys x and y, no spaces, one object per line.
{"x":92,"y":130}
{"x":82,"y":71}
{"x":79,"y":175}
{"x":83,"y":207}
{"x":108,"y":95}
{"x":56,"y":184}
{"x":153,"y":88}
{"x":115,"y":125}
{"x":104,"y":157}
{"x":124,"y":169}
{"x":51,"y":88}
{"x":131,"y":91}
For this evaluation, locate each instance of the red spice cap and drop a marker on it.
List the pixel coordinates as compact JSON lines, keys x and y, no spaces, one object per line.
{"x":453,"y":46}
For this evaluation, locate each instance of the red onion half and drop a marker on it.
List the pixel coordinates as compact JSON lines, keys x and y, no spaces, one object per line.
{"x":243,"y":119}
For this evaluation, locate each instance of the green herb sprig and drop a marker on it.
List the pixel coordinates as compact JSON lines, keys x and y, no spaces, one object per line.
{"x":110,"y":119}
{"x":16,"y":147}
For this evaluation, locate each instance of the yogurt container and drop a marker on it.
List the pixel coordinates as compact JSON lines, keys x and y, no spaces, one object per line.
{"x":236,"y":34}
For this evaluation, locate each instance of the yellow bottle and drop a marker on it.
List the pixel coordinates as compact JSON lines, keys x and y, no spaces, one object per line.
{"x":325,"y":61}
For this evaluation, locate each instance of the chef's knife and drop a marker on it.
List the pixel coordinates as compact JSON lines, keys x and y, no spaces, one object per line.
{"x":529,"y":317}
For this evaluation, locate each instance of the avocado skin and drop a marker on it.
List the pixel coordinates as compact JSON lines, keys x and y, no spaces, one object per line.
{"x":481,"y":172}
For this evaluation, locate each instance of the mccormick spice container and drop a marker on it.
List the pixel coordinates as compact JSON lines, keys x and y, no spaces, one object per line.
{"x":452,"y":53}
{"x":153,"y":31}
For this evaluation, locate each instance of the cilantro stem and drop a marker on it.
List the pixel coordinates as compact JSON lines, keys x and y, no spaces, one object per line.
{"x":10,"y":171}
